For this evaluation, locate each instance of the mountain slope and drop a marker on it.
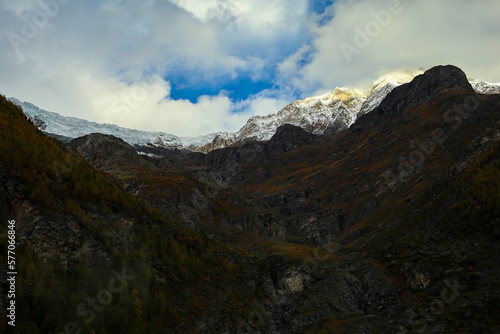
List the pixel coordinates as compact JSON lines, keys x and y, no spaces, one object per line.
{"x":77,"y":230}
{"x":376,"y":192}
{"x":380,"y":198}
{"x":372,"y":149}
{"x":171,"y":189}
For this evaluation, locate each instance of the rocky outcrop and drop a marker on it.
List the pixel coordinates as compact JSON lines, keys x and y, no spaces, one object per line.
{"x":109,"y":153}
{"x":415,"y":276}
{"x":219,"y":141}
{"x":288,"y":138}
{"x":433,"y":83}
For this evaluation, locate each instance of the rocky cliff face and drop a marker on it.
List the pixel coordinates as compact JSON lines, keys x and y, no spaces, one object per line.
{"x":329,"y":187}
{"x":110,"y":153}
{"x":219,"y":141}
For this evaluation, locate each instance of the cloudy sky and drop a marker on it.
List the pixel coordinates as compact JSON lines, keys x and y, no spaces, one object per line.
{"x":191,"y":67}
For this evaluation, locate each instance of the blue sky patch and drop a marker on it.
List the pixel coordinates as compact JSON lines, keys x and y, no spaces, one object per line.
{"x":238,"y":89}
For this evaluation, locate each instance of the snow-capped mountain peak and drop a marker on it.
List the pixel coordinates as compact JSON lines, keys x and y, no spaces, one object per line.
{"x":393,"y":78}
{"x":314,"y":114}
{"x":327,"y":113}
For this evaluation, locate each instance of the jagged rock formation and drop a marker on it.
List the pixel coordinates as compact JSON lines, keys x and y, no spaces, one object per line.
{"x":220,"y":140}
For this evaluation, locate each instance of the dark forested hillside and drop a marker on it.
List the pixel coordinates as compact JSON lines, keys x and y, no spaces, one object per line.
{"x":77,"y":230}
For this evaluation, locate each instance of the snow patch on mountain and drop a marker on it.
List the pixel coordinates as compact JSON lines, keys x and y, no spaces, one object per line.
{"x":313,"y":114}
{"x":383,"y":86}
{"x":72,"y":127}
{"x":485,"y":87}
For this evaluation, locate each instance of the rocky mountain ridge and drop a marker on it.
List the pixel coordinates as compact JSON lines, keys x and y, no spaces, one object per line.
{"x":328,"y":113}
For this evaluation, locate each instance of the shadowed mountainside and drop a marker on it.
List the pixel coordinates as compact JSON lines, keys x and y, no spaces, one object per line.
{"x":387,"y":227}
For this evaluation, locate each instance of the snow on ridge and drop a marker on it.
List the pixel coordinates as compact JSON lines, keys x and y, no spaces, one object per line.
{"x":484,"y":87}
{"x":338,"y":109}
{"x":73,"y":127}
{"x":344,"y":105}
{"x":151,"y":155}
{"x":394,"y":78}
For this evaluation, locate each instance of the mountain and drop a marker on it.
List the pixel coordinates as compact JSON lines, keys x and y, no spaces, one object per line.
{"x":411,"y":188}
{"x":328,"y":113}
{"x":383,"y":86}
{"x":80,"y":236}
{"x":71,"y":127}
{"x":389,"y":226}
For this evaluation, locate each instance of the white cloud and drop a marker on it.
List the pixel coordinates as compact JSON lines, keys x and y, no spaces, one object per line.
{"x":18,"y":7}
{"x":93,"y":62}
{"x":199,"y":8}
{"x":251,"y":15}
{"x":264,"y":103}
{"x":415,"y":34}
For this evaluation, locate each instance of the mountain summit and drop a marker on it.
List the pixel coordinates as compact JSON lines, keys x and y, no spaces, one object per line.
{"x":435,"y":82}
